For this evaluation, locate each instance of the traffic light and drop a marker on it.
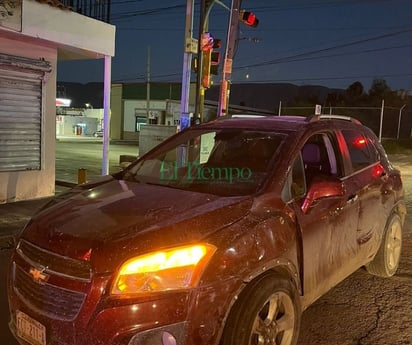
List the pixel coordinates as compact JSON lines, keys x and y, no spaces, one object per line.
{"x":210,"y":58}
{"x":215,"y":57}
{"x":249,"y":18}
{"x":206,"y":42}
{"x":206,"y":63}
{"x":206,"y":47}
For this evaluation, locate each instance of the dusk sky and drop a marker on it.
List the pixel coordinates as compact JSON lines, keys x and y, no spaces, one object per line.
{"x":331,"y":43}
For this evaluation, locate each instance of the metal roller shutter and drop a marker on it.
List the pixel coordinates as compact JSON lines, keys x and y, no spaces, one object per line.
{"x":20,"y":115}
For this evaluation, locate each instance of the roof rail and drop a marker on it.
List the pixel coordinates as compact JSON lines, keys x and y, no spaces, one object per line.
{"x":248,"y":116}
{"x":315,"y":118}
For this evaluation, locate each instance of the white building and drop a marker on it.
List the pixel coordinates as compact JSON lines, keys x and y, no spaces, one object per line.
{"x":33,"y":37}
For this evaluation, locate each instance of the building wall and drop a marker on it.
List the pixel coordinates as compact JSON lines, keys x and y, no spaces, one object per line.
{"x":138,"y":109}
{"x":75,"y":126}
{"x":22,"y":185}
{"x":47,"y":32}
{"x":129,"y":100}
{"x":116,"y":112}
{"x":68,"y":28}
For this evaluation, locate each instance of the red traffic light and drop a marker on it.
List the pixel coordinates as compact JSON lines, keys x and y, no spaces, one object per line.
{"x":215,"y":58}
{"x":249,"y":19}
{"x":217,"y":43}
{"x":206,"y":41}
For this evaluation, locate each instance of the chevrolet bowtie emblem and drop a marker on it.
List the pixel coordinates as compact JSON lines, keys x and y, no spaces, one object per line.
{"x":38,"y":275}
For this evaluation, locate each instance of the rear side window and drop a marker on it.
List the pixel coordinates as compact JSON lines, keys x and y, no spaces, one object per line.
{"x":361,"y":151}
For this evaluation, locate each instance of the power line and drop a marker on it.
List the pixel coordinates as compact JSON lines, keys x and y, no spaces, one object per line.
{"x":335,"y":55}
{"x":346,"y":28}
{"x":145,"y":12}
{"x":344,"y":45}
{"x":336,"y":78}
{"x":315,"y":5}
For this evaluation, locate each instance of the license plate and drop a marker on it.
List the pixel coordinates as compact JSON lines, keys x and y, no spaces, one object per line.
{"x":29,"y":329}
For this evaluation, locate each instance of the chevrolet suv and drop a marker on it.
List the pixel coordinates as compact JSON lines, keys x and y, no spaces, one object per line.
{"x":222,"y":234}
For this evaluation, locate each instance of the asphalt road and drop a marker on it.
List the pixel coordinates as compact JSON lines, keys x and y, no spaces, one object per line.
{"x":362,"y":310}
{"x":72,"y":155}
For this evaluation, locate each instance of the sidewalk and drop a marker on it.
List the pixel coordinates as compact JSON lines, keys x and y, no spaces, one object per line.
{"x":14,"y":215}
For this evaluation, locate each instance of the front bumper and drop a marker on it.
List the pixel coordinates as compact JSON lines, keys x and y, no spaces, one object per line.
{"x":110,"y":322}
{"x":93,"y":317}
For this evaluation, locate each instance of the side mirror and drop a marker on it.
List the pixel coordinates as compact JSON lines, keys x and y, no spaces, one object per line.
{"x":322,"y":187}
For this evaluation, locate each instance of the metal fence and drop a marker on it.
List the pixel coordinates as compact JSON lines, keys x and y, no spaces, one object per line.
{"x":96,"y":9}
{"x":391,"y":123}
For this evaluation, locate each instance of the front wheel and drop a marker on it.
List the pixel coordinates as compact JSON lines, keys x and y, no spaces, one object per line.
{"x":267,"y":312}
{"x":386,"y":261}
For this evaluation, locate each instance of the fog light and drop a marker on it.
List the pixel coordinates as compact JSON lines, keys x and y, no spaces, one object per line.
{"x":168,"y":339}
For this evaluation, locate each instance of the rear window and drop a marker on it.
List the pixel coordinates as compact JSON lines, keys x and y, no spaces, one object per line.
{"x":362,"y":152}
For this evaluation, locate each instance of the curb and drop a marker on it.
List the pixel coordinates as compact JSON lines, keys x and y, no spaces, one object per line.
{"x":65,"y":184}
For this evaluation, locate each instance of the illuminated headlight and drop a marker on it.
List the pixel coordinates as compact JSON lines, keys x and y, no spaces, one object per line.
{"x":172,"y":269}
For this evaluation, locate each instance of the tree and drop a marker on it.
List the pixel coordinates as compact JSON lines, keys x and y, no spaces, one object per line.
{"x":335,"y":99}
{"x":355,"y":94}
{"x":379,"y":90}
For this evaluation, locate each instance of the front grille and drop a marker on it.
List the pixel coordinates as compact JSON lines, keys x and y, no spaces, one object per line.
{"x":60,"y":265}
{"x":48,"y":299}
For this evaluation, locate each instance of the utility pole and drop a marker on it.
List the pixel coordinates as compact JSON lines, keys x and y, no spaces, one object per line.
{"x":190,"y":47}
{"x":148,"y":86}
{"x":232,"y":34}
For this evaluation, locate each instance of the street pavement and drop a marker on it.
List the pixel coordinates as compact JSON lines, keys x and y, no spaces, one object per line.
{"x":362,"y":310}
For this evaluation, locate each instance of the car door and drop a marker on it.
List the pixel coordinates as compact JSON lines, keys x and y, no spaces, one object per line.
{"x":328,"y":226}
{"x":368,"y":176}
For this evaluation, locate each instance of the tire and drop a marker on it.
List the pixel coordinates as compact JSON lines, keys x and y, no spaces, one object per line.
{"x":267,"y":312}
{"x":386,"y":260}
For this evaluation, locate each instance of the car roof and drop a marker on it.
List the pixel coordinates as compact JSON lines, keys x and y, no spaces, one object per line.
{"x":281,"y":123}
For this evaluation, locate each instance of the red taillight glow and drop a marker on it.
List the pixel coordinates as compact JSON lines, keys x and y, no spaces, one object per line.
{"x":359,"y":142}
{"x":378,"y":171}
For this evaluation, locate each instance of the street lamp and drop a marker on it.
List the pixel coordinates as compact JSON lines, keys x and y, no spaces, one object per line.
{"x":399,"y":120}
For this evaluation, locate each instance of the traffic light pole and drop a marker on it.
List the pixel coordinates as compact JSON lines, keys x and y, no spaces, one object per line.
{"x":206,"y":7}
{"x":232,"y":34}
{"x":200,"y":91}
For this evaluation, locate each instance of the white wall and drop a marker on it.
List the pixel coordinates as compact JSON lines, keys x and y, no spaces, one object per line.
{"x":52,"y":34}
{"x":23,"y":185}
{"x":173,"y":112}
{"x":66,"y":126}
{"x":129,"y":119}
{"x":68,"y":28}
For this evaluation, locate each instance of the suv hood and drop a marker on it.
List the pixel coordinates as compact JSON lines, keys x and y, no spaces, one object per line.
{"x":119,"y":219}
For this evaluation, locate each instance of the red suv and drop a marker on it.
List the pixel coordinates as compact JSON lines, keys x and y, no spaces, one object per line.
{"x":222,"y":234}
